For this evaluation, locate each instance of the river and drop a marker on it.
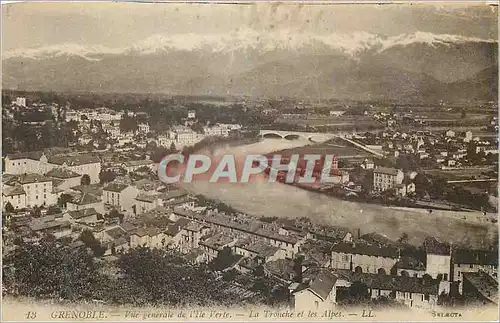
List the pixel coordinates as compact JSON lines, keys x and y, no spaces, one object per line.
{"x":261,"y":198}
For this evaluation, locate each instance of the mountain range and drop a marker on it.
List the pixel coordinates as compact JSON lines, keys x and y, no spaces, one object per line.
{"x":420,"y":66}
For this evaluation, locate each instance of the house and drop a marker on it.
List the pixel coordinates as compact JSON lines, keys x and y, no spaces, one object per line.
{"x":143,"y":127}
{"x":281,"y":269}
{"x":413,"y":292}
{"x":449,"y":133}
{"x":150,"y":237}
{"x":385,"y":178}
{"x":85,"y":201}
{"x":212,"y":244}
{"x":316,"y":253}
{"x":472,"y":261}
{"x":316,"y":292}
{"x":361,"y":257}
{"x":438,"y":263}
{"x":331,"y":233}
{"x":145,"y":202}
{"x":480,"y":286}
{"x":121,"y":196}
{"x":15,"y":195}
{"x":410,"y":267}
{"x":368,"y":164}
{"x":195,"y":256}
{"x":28,"y":162}
{"x":191,"y":235}
{"x":50,"y":225}
{"x":86,"y":216}
{"x":37,"y":189}
{"x":81,"y":164}
{"x":259,"y":249}
{"x":405,"y":188}
{"x":67,"y":177}
{"x":133,"y":165}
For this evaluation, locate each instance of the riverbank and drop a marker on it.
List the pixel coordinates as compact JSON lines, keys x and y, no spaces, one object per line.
{"x":263,"y":199}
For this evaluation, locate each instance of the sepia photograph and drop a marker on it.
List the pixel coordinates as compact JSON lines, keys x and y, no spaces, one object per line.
{"x":256,"y":161}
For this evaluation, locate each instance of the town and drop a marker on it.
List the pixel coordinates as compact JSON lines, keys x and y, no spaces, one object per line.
{"x":80,"y":179}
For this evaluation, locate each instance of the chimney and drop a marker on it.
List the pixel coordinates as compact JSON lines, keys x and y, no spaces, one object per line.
{"x":359,"y":233}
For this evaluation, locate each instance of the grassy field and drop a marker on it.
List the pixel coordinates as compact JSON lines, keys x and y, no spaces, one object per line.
{"x":331,"y":121}
{"x":461,"y":174}
{"x":336,"y":146}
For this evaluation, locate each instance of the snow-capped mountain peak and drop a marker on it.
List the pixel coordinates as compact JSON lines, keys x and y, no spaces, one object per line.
{"x":245,"y":39}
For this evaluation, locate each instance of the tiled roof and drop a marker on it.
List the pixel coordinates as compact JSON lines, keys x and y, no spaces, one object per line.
{"x":386,"y":170}
{"x":320,"y":281}
{"x":146,"y":198}
{"x":28,"y":179}
{"x":194,"y":226}
{"x":59,"y":172}
{"x":34,"y":155}
{"x":434,"y":246}
{"x":376,"y":238}
{"x":115,"y":187}
{"x":283,"y":268}
{"x":13,"y":191}
{"x":484,"y":284}
{"x":365,"y":249}
{"x":217,"y":241}
{"x":41,"y":225}
{"x":82,"y":213}
{"x":396,"y":283}
{"x":133,"y":163}
{"x":85,"y":199}
{"x":479,"y":257}
{"x":116,"y":233}
{"x":74,"y":160}
{"x":410,"y":263}
{"x":262,"y":248}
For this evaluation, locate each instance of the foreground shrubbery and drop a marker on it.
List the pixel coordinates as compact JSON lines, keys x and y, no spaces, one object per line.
{"x":51,"y":270}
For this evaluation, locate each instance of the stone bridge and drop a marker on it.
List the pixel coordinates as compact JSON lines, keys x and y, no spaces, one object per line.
{"x":291,"y":135}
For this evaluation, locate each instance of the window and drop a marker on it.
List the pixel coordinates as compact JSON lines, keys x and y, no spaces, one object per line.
{"x":316,"y":303}
{"x":409,"y":295}
{"x":426,"y":297}
{"x":44,"y":196}
{"x":37,"y":197}
{"x":445,"y":277}
{"x":471,"y":266}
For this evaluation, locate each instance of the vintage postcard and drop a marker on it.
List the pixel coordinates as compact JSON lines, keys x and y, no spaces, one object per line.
{"x":249,"y":162}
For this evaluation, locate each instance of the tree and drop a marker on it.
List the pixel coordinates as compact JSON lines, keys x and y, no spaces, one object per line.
{"x":224,"y":259}
{"x":172,"y":148}
{"x":106,"y":176}
{"x":9,"y":208}
{"x":421,"y":184}
{"x":36,"y":212}
{"x":53,"y":209}
{"x":63,"y":200}
{"x":165,"y":277}
{"x":85,"y":180}
{"x":84,"y":117}
{"x":358,"y":291}
{"x":60,"y":271}
{"x":87,"y":237}
{"x":297,"y":268}
{"x":403,"y":239}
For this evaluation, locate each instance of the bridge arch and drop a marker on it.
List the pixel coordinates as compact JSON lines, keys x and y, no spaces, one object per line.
{"x":292,"y":137}
{"x":272,"y":135}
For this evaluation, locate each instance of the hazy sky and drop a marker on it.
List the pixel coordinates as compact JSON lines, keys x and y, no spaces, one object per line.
{"x":27,"y":25}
